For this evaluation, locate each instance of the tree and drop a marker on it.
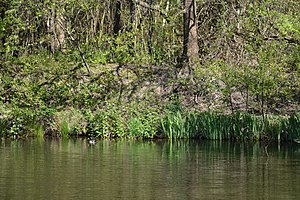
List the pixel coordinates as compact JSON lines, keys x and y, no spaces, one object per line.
{"x":117,"y":23}
{"x":190,"y":43}
{"x":56,"y":26}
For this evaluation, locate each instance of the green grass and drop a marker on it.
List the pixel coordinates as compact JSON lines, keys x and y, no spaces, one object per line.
{"x":239,"y":126}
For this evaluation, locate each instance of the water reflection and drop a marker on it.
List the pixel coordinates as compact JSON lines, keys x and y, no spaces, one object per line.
{"x":73,"y":169}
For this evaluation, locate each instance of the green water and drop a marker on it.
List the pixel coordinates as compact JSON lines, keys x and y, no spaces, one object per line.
{"x":71,"y":169}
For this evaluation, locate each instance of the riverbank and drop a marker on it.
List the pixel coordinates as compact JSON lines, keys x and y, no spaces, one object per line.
{"x":139,"y":120}
{"x":43,"y":95}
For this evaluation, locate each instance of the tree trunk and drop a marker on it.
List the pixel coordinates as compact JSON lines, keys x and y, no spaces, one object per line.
{"x":132,"y":14}
{"x":190,"y":43}
{"x":150,"y":31}
{"x":3,"y":7}
{"x":56,"y":25}
{"x":95,"y":21}
{"x":117,"y":23}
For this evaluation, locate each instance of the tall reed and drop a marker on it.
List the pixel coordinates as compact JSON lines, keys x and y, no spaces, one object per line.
{"x":294,"y":128}
{"x":173,"y":125}
{"x":239,"y":126}
{"x":2,"y":127}
{"x":37,"y":129}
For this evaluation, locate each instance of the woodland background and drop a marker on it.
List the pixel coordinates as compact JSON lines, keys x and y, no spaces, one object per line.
{"x":143,"y":58}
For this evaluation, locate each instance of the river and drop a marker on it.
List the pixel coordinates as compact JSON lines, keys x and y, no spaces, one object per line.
{"x":122,"y":169}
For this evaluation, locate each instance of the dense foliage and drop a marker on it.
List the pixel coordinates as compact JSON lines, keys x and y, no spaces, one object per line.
{"x":116,"y":68}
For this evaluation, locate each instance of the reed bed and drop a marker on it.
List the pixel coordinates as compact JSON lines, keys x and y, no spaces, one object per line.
{"x":239,"y":126}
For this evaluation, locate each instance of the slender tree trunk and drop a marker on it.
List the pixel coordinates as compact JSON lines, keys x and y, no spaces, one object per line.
{"x":132,"y":13}
{"x":132,"y":26}
{"x":2,"y":15}
{"x":56,"y":25}
{"x":190,"y":43}
{"x":60,"y":32}
{"x":150,"y":31}
{"x":117,"y":23}
{"x":95,"y":21}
